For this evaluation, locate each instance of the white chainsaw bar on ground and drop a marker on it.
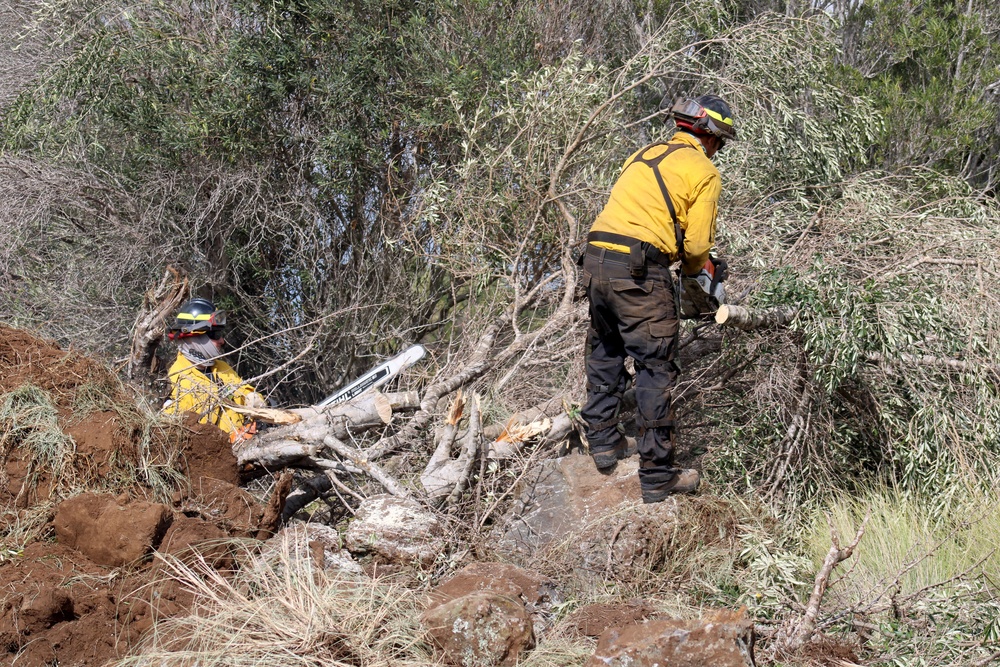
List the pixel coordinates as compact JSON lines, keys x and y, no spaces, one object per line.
{"x":377,"y":376}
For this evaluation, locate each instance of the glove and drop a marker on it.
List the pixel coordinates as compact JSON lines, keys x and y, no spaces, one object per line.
{"x":241,"y":435}
{"x":703,"y":293}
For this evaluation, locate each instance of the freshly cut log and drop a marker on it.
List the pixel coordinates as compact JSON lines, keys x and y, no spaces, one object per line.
{"x":743,"y":318}
{"x":276,"y":454}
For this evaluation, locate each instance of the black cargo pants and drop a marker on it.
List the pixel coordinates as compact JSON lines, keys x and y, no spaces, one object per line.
{"x":633,"y":317}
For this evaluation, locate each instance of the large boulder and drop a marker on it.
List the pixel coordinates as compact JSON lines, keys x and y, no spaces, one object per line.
{"x":481,"y":629}
{"x":722,"y":639}
{"x":562,"y":497}
{"x":110,"y":533}
{"x":395,"y":531}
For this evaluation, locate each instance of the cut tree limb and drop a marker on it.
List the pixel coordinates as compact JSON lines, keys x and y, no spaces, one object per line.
{"x":441,"y":472}
{"x":469,"y":450}
{"x":268,"y":415}
{"x":287,"y":445}
{"x":730,"y":315}
{"x":276,"y":453}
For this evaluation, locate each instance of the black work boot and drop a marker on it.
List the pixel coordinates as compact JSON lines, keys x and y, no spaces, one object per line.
{"x":682,"y":481}
{"x":605,"y":458}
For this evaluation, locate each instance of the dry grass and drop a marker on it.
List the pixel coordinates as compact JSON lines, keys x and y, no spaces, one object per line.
{"x":280,"y":609}
{"x":30,"y":423}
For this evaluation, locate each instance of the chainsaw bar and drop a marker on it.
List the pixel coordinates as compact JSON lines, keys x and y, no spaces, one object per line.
{"x":377,"y":376}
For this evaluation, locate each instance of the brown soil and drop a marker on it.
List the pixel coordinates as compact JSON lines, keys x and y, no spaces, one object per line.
{"x":593,"y":620}
{"x":57,"y":606}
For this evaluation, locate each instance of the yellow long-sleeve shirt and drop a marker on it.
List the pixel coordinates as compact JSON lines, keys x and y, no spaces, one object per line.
{"x":203,"y":392}
{"x":636,"y":207}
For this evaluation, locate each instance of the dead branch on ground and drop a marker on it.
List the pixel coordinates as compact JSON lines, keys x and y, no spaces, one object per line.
{"x":837,"y":554}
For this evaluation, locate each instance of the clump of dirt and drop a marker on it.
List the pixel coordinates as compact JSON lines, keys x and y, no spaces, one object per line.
{"x":206,"y":452}
{"x":84,"y":434}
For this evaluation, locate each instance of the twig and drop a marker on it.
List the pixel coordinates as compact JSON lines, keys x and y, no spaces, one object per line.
{"x":932,"y":361}
{"x":816,"y":219}
{"x":357,"y":457}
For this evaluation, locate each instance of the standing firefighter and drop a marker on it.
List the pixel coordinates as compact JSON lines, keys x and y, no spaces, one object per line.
{"x":666,"y":192}
{"x":200,"y":382}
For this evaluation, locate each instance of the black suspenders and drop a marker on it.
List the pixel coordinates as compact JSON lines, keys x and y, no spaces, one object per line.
{"x":654,"y":164}
{"x":640,"y":252}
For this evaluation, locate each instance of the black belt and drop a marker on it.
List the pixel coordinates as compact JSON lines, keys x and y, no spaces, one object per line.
{"x":606,"y":255}
{"x":639,"y":252}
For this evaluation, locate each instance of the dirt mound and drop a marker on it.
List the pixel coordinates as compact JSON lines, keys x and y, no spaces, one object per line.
{"x":25,"y":359}
{"x":80,"y":461}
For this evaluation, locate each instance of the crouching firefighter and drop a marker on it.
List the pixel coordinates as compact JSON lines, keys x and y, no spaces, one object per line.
{"x":662,"y":210}
{"x":203,"y":383}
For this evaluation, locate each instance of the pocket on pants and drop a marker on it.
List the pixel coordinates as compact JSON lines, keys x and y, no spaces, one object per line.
{"x":663,"y":339}
{"x":632,"y":297}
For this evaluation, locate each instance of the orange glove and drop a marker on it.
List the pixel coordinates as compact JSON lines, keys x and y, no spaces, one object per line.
{"x":243,"y":434}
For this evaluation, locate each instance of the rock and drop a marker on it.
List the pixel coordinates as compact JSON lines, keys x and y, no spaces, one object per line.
{"x":563,"y":496}
{"x":532,"y":589}
{"x":319,"y":542}
{"x":108,"y":533}
{"x":593,"y":620}
{"x":722,"y":638}
{"x":575,"y":519}
{"x":538,"y":593}
{"x":481,"y":629}
{"x":395,"y":531}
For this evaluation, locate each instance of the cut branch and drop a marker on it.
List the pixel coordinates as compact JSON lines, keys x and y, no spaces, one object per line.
{"x":469,"y":450}
{"x":730,"y":315}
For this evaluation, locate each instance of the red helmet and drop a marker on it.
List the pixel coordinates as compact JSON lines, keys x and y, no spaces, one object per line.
{"x":707,"y":114}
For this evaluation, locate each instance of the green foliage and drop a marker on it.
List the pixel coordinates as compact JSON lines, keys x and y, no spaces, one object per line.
{"x":932,"y":69}
{"x":890,"y":273}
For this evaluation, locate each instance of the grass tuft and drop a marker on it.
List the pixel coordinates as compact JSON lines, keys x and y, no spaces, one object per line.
{"x":278,"y":608}
{"x":29,"y":421}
